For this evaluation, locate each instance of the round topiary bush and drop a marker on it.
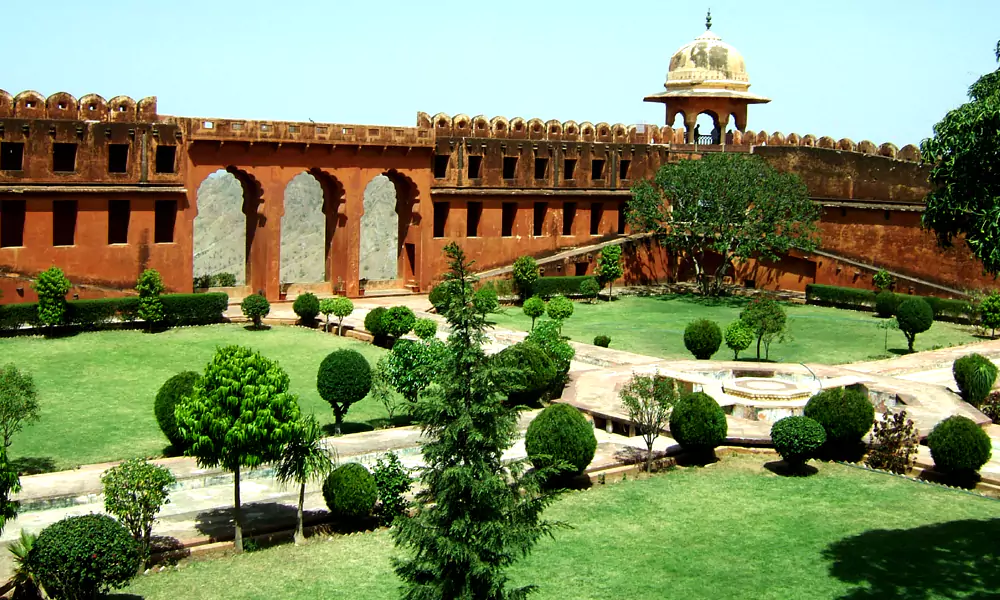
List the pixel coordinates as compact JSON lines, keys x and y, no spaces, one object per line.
{"x":83,"y":557}
{"x":533,"y":307}
{"x":536,"y":371}
{"x":975,"y":375}
{"x":739,"y":336}
{"x":602,"y":340}
{"x":425,"y":329}
{"x":374,"y":322}
{"x":398,"y":321}
{"x":797,"y":439}
{"x":560,"y":434}
{"x":914,"y":316}
{"x":559,"y":308}
{"x":885,"y":304}
{"x":698,"y":423}
{"x":959,"y":446}
{"x":846,"y":416}
{"x":167,"y":398}
{"x":439,"y":297}
{"x":702,"y":338}
{"x":350,"y":492}
{"x":255,"y":307}
{"x":589,"y":288}
{"x":344,"y":377}
{"x":306,"y":306}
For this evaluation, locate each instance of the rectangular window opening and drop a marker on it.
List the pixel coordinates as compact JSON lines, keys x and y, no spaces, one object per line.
{"x":64,"y":158}
{"x":64,"y":222}
{"x":569,"y":169}
{"x":580,"y":269}
{"x":509,"y":167}
{"x":886,"y":215}
{"x":596,"y":212}
{"x":11,"y":156}
{"x":165,"y":159}
{"x":11,"y":223}
{"x":119,"y":214}
{"x":621,"y":218}
{"x":475,"y":213}
{"x":117,"y":158}
{"x":441,"y":165}
{"x":623,"y":166}
{"x":538,"y":226}
{"x":475,"y":166}
{"x":569,"y":213}
{"x":509,"y":214}
{"x":597,"y":169}
{"x":166,"y":217}
{"x":541,"y":167}
{"x":440,"y":218}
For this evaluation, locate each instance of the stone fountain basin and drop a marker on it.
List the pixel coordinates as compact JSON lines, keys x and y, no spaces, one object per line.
{"x":766,"y":389}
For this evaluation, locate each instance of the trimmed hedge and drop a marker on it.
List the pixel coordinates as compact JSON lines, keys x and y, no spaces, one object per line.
{"x":179,"y":309}
{"x":535,"y":372}
{"x":885,"y":304}
{"x":698,"y":423}
{"x":956,"y":311}
{"x":702,"y":338}
{"x":167,"y":399}
{"x":560,"y":434}
{"x":350,"y":492}
{"x":797,"y":439}
{"x":306,"y":306}
{"x":547,"y":287}
{"x":959,"y":446}
{"x":846,"y":416}
{"x":975,"y":375}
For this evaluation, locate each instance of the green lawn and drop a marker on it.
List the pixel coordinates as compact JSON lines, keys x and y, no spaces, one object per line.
{"x":730,"y":530}
{"x":96,"y":390}
{"x":655,"y":326}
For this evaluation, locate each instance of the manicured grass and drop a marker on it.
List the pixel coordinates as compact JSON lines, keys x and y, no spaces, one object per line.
{"x":730,"y":530}
{"x":655,"y":326}
{"x":96,"y":390}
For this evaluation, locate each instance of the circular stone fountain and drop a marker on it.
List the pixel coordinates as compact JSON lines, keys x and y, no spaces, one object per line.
{"x":766,"y":389}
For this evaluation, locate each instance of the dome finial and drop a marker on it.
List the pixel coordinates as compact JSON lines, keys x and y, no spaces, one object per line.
{"x":708,"y":20}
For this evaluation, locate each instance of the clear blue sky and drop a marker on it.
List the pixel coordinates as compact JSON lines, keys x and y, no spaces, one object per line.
{"x":884,"y":70}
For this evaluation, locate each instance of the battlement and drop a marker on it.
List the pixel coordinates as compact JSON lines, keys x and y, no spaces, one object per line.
{"x":299,"y":132}
{"x":65,"y":107}
{"x":909,"y":152}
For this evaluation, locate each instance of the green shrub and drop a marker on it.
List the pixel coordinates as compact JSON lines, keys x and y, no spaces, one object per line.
{"x":560,"y":436}
{"x":339,"y":307}
{"x":885,"y":304}
{"x":398,"y":321}
{"x":524,"y":272}
{"x":150,"y":286}
{"x":439,"y":296}
{"x":375,"y":322}
{"x":224,"y":280}
{"x":739,"y":336}
{"x":392,"y":482}
{"x":536,"y":372}
{"x":306,"y":306}
{"x":134,"y":492}
{"x":702,"y":338}
{"x":425,"y":329}
{"x":959,"y":447}
{"x":547,"y":336}
{"x":410,"y":367}
{"x":344,"y":378}
{"x":559,"y":308}
{"x":944,"y":309}
{"x":698,"y":423}
{"x":975,"y":375}
{"x":51,"y":287}
{"x":846,"y":415}
{"x":609,"y":267}
{"x":91,"y":314}
{"x":841,"y":297}
{"x":350,"y":492}
{"x":589,"y":288}
{"x":566,"y":285}
{"x":15,"y":316}
{"x":190,"y":309}
{"x":989,"y":312}
{"x":883,"y":279}
{"x":602,"y":340}
{"x":169,"y":396}
{"x":83,"y":557}
{"x":486,"y":300}
{"x":202,"y":282}
{"x":914,"y":316}
{"x":255,"y":307}
{"x":534,"y":307}
{"x":797,"y":439}
{"x":894,"y":443}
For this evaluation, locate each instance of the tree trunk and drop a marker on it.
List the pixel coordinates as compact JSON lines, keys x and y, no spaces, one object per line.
{"x":238,"y":514}
{"x":340,"y":327}
{"x":759,"y":337}
{"x":649,"y":458}
{"x":337,"y":420}
{"x":326,"y":328}
{"x":611,"y":289}
{"x":300,"y":536}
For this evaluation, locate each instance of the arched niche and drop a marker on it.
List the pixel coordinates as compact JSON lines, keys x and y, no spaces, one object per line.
{"x":303,"y":232}
{"x":228,"y":204}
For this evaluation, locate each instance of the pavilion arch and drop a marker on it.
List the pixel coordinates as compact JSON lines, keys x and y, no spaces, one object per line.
{"x":229,"y":210}
{"x":312,"y":201}
{"x":388,"y":251}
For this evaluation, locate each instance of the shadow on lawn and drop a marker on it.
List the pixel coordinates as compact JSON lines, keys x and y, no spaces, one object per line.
{"x":712,"y":301}
{"x":33,"y":465}
{"x":257,"y":516}
{"x":945,"y":560}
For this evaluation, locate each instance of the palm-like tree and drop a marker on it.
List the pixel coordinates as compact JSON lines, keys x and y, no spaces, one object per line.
{"x":304,"y":459}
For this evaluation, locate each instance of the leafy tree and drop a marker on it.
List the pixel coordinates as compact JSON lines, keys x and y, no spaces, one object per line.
{"x":134,"y":492}
{"x":887,"y":325}
{"x":51,"y":287}
{"x":18,"y":402}
{"x":392,"y":483}
{"x":475,"y":513}
{"x":559,"y":309}
{"x":965,"y":187}
{"x":382,"y":391}
{"x":589,"y":289}
{"x":344,"y":377}
{"x":883,"y":279}
{"x":914,"y":316}
{"x":648,"y":400}
{"x":525,"y":273}
{"x":150,"y":286}
{"x":534,"y":307}
{"x":240,"y":414}
{"x":255,"y":307}
{"x":303,"y":459}
{"x":732,"y":205}
{"x":739,"y":336}
{"x":339,"y":307}
{"x":989,"y":312}
{"x":767,"y":319}
{"x":411,"y":366}
{"x":10,"y":484}
{"x":609,"y":267}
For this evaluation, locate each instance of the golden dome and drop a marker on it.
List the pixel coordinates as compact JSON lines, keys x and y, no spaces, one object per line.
{"x":707,"y":59}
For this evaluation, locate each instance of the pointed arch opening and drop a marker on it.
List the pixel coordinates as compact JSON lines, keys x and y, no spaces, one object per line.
{"x":311,"y":200}
{"x":228,"y":204}
{"x":388,"y":249}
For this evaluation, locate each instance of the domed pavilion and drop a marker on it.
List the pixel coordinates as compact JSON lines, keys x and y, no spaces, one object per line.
{"x":707,"y":76}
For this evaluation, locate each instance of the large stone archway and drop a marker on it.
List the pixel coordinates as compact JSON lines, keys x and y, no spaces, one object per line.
{"x":379,"y":252}
{"x":303,"y":232}
{"x":224,"y":226}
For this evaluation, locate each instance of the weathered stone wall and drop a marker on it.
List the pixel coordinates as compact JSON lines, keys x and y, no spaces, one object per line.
{"x":220,"y":228}
{"x":303,"y":232}
{"x":379,"y":231}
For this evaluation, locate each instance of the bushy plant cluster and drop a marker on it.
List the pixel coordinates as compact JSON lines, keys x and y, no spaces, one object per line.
{"x":51,"y":287}
{"x":846,"y":415}
{"x":702,"y":338}
{"x":589,"y":289}
{"x":398,"y":321}
{"x":150,"y":286}
{"x":698,"y":423}
{"x":945,"y":309}
{"x":411,"y":366}
{"x":767,"y":319}
{"x":306,"y":306}
{"x":739,"y":336}
{"x":392,"y":483}
{"x":344,"y":378}
{"x":975,"y":375}
{"x":350,"y":493}
{"x":223,"y":279}
{"x":602,"y":340}
{"x":797,"y":439}
{"x":559,"y":308}
{"x":532,"y":370}
{"x":339,"y":307}
{"x":914,"y":316}
{"x":439,"y":297}
{"x":375,"y":322}
{"x":486,"y":299}
{"x":894,"y":443}
{"x":134,"y":492}
{"x":989,"y":312}
{"x":565,"y":285}
{"x":524,"y":272}
{"x":425,"y":329}
{"x":255,"y":307}
{"x":885,"y":304}
{"x":534,"y":307}
{"x":546,"y":335}
{"x":167,"y":399}
{"x":959,"y":447}
{"x":560,"y":437}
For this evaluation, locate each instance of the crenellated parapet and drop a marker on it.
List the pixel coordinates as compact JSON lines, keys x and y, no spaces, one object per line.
{"x":62,"y":106}
{"x":908,"y":152}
